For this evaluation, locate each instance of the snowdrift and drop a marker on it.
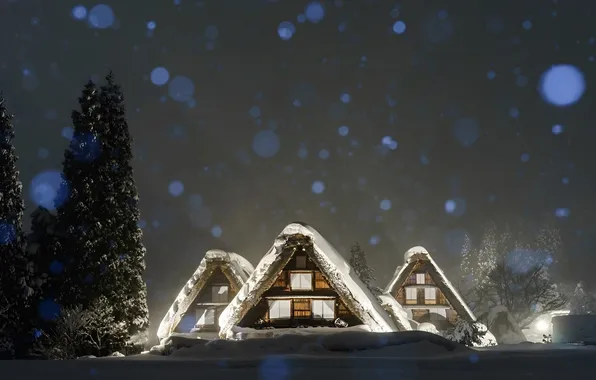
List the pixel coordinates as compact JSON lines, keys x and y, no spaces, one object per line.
{"x":396,"y":344}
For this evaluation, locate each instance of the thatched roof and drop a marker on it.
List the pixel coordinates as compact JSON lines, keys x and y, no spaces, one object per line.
{"x":419,"y":258}
{"x":236,"y":269}
{"x":355,"y":295}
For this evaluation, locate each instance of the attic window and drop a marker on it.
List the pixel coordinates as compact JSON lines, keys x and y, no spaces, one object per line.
{"x":300,"y":262}
{"x":219,"y":293}
{"x":420,"y":277}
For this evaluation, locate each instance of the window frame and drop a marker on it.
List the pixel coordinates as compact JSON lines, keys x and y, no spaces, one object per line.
{"x":301,"y":288}
{"x":204,"y":316}
{"x":301,"y":257}
{"x":414,"y":299}
{"x":322,"y":303}
{"x":279,"y":302}
{"x":217,"y":299}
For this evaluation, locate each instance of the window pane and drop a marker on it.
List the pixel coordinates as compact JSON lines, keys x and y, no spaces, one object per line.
{"x":210,"y":317}
{"x":219,"y":293}
{"x":328,"y":309}
{"x":201,"y":316}
{"x":295,"y":281}
{"x":420,"y":278}
{"x":284,"y":309}
{"x":430,"y":293}
{"x":301,"y":281}
{"x":306,"y":281}
{"x":205,"y":316}
{"x":317,"y":309}
{"x":410,"y":293}
{"x":300,"y":262}
{"x":274,"y":309}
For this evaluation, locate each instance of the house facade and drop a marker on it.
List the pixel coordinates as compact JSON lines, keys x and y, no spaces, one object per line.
{"x":421,"y":287}
{"x":301,"y":294}
{"x":303,"y":282}
{"x":206,"y":294}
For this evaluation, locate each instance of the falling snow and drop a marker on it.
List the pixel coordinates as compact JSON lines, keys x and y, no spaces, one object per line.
{"x":391,"y":125}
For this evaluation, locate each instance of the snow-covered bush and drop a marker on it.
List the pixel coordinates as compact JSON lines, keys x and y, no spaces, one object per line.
{"x":473,"y":334}
{"x":502,"y":325}
{"x":80,"y":332}
{"x":428,"y":327}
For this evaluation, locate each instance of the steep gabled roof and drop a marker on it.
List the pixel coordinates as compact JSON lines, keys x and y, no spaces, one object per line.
{"x":419,"y":255}
{"x":236,"y":269}
{"x":334,"y":267}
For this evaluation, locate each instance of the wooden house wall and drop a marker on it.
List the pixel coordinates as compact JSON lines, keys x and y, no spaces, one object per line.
{"x":419,"y":312}
{"x":189,"y":318}
{"x":257,"y":316}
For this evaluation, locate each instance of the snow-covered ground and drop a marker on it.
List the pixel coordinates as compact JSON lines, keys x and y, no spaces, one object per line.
{"x":346,"y":356}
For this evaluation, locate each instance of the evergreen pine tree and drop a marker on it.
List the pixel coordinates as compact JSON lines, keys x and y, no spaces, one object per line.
{"x":82,"y":215}
{"x":467,"y":256}
{"x":130,"y":294}
{"x":44,"y":249}
{"x":359,"y":263}
{"x":15,"y":268}
{"x":581,"y":301}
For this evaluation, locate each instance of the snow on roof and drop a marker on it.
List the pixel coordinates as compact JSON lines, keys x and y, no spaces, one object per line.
{"x":416,"y":255}
{"x":235,"y":267}
{"x":340,"y":275}
{"x":400,"y":316}
{"x":416,"y":252}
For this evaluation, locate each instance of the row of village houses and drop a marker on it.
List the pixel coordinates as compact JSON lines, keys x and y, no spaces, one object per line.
{"x":302,"y":281}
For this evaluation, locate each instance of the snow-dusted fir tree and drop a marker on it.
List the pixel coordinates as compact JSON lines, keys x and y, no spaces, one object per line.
{"x":84,"y":210}
{"x":15,"y":268}
{"x":582,"y":302}
{"x":359,"y":263}
{"x":130,"y":294}
{"x":44,"y":250}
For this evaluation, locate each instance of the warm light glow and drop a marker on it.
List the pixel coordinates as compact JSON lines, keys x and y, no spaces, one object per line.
{"x":542,"y":325}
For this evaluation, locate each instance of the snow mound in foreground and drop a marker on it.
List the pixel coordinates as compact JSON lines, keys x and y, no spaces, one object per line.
{"x":177,"y":341}
{"x":359,"y":343}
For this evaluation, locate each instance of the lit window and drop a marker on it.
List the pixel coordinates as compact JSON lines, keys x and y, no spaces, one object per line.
{"x":323,"y":309}
{"x":205,"y":316}
{"x":430,"y":294}
{"x":219,"y":293}
{"x":279,"y":309}
{"x":420,"y":278}
{"x":411,"y":295}
{"x":301,"y":281}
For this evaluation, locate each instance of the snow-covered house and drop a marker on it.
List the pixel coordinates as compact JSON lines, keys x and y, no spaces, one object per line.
{"x":302,"y":281}
{"x":208,"y":291}
{"x":422,"y":288}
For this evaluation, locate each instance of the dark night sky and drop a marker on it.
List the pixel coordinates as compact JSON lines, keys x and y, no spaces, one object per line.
{"x":458,"y":106}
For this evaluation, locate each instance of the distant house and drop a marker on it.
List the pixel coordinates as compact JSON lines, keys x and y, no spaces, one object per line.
{"x":209,"y":290}
{"x":303,"y":281}
{"x":422,"y":288}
